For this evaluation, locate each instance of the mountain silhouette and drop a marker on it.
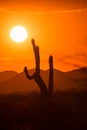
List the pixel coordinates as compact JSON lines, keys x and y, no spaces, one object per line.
{"x":6,"y":75}
{"x":79,"y":77}
{"x":17,"y":82}
{"x":78,"y":73}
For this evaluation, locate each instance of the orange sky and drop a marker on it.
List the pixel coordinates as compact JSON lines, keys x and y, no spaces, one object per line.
{"x":59,"y":29}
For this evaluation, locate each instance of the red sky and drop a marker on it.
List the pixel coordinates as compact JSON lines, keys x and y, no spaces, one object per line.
{"x":59,"y":28}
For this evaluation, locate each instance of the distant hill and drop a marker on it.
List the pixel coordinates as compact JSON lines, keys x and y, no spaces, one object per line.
{"x":18,"y":82}
{"x":78,"y":73}
{"x":7,"y":75}
{"x":79,"y":77}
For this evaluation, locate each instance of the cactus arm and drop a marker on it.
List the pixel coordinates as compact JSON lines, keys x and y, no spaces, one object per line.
{"x":38,"y":79}
{"x":27,"y":74}
{"x":37,"y":56}
{"x":50,"y":86}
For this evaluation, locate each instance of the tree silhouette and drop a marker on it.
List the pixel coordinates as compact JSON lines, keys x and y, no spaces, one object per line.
{"x":45,"y":92}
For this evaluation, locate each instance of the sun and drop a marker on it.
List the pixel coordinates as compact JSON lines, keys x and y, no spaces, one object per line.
{"x":18,"y":34}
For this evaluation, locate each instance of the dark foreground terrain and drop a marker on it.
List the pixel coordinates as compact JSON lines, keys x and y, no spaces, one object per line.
{"x":64,"y":111}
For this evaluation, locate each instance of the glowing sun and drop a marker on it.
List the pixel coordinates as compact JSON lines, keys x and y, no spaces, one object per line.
{"x":19,"y":34}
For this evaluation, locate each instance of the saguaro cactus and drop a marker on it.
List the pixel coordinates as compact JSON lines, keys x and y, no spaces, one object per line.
{"x":36,"y":75}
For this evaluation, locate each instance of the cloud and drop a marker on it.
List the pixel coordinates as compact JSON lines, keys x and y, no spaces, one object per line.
{"x":63,"y":11}
{"x":44,"y":12}
{"x":76,"y":60}
{"x":6,"y":59}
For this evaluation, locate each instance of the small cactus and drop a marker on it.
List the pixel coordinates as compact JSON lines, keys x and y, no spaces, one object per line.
{"x":45,"y":92}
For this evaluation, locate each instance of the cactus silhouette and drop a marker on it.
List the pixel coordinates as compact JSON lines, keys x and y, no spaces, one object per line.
{"x":50,"y":86}
{"x":45,"y":92}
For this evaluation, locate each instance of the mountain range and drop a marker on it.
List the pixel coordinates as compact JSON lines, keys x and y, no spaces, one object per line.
{"x":12,"y":82}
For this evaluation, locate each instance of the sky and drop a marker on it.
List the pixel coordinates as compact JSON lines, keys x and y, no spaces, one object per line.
{"x":59,"y":28}
{"x":44,"y":4}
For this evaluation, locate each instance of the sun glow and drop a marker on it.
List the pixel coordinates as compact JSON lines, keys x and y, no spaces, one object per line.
{"x":18,"y":34}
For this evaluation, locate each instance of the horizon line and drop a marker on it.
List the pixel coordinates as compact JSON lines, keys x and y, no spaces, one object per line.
{"x":45,"y":69}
